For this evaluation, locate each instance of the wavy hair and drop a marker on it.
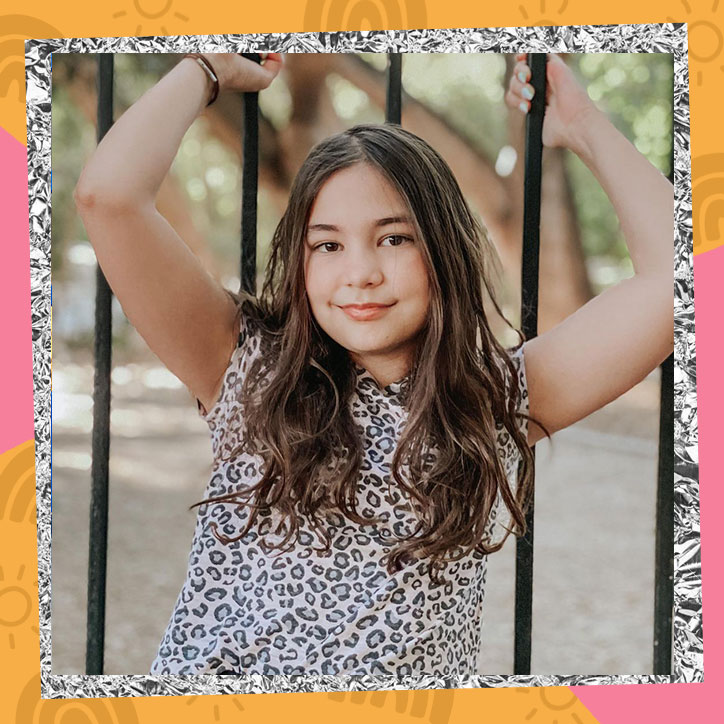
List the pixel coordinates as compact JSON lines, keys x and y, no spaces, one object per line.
{"x":457,"y":396}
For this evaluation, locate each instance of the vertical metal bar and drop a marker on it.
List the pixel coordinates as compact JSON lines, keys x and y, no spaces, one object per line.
{"x":394,"y":89}
{"x":98,"y":538}
{"x":664,"y":579}
{"x":249,"y":187}
{"x":529,"y":325}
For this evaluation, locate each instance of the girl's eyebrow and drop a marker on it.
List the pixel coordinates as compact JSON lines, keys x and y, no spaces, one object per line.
{"x":386,"y":221}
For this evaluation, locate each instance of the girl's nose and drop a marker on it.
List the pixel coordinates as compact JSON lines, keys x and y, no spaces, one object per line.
{"x":363,"y":269}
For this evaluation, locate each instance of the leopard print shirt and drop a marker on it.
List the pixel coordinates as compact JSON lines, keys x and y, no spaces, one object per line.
{"x":242,"y":611}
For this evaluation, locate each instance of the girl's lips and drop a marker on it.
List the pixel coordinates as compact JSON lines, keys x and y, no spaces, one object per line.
{"x":362,"y":314}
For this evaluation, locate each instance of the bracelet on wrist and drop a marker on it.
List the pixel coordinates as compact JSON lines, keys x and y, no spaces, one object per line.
{"x":210,"y":72}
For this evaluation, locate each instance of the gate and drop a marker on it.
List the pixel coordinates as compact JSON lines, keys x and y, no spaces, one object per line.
{"x":664,"y":591}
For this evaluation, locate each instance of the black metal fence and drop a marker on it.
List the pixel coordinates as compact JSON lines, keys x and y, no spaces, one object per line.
{"x":663,"y":603}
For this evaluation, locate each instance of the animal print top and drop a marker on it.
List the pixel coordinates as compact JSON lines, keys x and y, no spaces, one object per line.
{"x":241,"y":611}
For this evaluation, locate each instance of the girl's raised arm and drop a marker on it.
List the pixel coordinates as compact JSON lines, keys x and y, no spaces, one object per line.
{"x":612,"y":342}
{"x":183,"y":314}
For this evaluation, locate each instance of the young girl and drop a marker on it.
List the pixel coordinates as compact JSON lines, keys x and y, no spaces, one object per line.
{"x":370,"y":435}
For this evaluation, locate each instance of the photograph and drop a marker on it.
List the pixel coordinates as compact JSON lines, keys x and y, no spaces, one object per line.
{"x":328,"y":430}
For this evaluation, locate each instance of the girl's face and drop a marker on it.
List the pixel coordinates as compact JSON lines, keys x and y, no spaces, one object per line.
{"x":361,"y":249}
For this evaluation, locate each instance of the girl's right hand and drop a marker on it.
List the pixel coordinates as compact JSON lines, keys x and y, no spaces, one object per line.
{"x":240,"y":74}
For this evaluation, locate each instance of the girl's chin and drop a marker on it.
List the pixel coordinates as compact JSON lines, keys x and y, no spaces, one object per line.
{"x":366,"y":338}
{"x":372,"y":347}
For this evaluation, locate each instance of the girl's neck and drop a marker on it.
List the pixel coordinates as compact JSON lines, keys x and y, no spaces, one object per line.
{"x":384,"y":370}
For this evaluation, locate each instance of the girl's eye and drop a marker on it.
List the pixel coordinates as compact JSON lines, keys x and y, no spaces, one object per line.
{"x":397,"y":239}
{"x":325,"y":243}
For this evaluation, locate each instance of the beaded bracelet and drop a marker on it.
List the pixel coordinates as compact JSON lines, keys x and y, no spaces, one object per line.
{"x":208,"y":69}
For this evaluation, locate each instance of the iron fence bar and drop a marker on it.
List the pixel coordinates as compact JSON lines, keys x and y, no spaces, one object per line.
{"x":394,"y":88}
{"x":98,"y":533}
{"x":249,"y":187}
{"x":529,"y":326}
{"x":664,"y":576}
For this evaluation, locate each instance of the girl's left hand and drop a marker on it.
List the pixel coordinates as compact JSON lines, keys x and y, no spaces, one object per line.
{"x":568,"y":106}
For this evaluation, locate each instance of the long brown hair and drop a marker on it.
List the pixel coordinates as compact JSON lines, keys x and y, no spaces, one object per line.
{"x":457,"y":394}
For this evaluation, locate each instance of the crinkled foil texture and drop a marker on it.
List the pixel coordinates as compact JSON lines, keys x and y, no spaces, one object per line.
{"x":655,"y":38}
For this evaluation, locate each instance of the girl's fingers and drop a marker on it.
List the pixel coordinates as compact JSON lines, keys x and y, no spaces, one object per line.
{"x":263,"y":75}
{"x":527,"y":91}
{"x":271,"y":58}
{"x":521,"y":72}
{"x":524,"y":90}
{"x":275,"y":60}
{"x":272,"y":64}
{"x":516,"y":100}
{"x":520,"y":92}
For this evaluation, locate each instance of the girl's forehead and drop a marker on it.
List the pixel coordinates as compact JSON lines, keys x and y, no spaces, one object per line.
{"x":358,"y":192}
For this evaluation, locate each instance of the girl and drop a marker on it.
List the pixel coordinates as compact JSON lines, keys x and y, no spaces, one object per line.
{"x":370,"y":435}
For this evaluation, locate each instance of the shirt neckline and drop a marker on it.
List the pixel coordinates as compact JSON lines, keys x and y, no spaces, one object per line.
{"x":365,"y":378}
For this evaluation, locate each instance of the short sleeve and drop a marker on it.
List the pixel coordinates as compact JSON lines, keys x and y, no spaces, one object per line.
{"x":244,"y":353}
{"x":518,"y":358}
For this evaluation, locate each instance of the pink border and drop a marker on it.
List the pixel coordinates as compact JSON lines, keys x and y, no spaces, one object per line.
{"x":620,"y":704}
{"x":16,"y":381}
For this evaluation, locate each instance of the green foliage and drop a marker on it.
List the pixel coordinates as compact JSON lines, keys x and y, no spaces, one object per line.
{"x":466,"y":90}
{"x":635,"y":92}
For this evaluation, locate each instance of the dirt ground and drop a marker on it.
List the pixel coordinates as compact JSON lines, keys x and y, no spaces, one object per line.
{"x":594,"y":529}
